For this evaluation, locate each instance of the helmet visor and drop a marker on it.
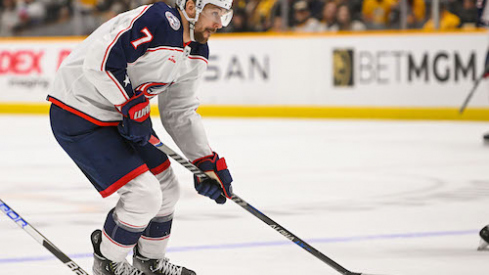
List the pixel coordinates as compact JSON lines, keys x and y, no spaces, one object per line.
{"x":218,"y":15}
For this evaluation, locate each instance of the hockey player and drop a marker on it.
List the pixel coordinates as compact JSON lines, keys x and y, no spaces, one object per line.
{"x":100,"y":115}
{"x":483,"y":21}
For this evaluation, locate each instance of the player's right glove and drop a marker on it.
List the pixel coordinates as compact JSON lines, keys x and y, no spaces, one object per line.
{"x":218,"y":187}
{"x":136,"y":125}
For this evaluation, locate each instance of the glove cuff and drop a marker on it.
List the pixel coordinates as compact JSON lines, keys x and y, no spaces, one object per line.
{"x":211,"y":163}
{"x":212,"y":158}
{"x":221,"y":164}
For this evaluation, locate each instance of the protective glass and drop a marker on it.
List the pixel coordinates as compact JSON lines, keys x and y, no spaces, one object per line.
{"x":218,"y":15}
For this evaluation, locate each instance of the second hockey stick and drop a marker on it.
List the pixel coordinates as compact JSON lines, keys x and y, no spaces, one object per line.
{"x":471,"y":93}
{"x":277,"y":227}
{"x":41,"y":239}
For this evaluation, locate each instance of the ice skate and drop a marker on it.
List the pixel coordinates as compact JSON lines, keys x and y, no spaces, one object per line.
{"x":104,"y":266}
{"x":484,"y":243}
{"x":158,"y":266}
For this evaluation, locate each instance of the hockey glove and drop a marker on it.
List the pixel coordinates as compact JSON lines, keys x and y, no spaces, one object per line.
{"x":218,"y":187}
{"x":136,"y":125}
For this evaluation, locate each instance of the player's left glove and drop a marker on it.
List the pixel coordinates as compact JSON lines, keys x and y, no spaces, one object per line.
{"x":136,"y":125}
{"x":219,"y":187}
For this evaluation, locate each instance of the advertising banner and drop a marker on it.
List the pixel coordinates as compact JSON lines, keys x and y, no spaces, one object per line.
{"x":410,"y":70}
{"x":379,"y":69}
{"x":28,"y":67}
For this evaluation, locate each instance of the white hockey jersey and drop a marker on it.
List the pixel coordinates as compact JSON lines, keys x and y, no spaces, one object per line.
{"x":139,"y":51}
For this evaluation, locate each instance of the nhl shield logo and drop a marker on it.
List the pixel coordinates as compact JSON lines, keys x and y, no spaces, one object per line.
{"x":173,"y":20}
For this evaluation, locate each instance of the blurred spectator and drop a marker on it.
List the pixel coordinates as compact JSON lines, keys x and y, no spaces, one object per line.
{"x":63,"y":26}
{"x":277,"y":12}
{"x":249,"y":7}
{"x":262,"y":15}
{"x":468,"y":14}
{"x":100,"y":5}
{"x":448,"y":20}
{"x":9,"y":20}
{"x":316,"y":8}
{"x":452,"y":5}
{"x":344,"y":21}
{"x":116,"y":8}
{"x":88,"y":4}
{"x":355,"y":7}
{"x":31,"y":12}
{"x":239,"y":22}
{"x":277,"y":24}
{"x":328,"y":19}
{"x":136,"y":3}
{"x":376,"y":13}
{"x":303,"y":21}
{"x":416,"y":14}
{"x":81,"y":17}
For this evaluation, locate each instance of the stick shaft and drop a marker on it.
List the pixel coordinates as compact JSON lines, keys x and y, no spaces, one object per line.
{"x":277,"y":227}
{"x":289,"y":235}
{"x":474,"y":88}
{"x":471,"y":93}
{"x":41,"y":239}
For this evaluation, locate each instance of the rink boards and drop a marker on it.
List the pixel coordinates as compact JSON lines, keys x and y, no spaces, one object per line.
{"x":410,"y":75}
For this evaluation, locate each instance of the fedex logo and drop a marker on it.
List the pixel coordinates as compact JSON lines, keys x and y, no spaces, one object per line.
{"x":14,"y":216}
{"x":21,"y":62}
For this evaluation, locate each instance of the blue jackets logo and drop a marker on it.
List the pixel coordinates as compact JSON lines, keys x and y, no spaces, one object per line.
{"x":173,"y":20}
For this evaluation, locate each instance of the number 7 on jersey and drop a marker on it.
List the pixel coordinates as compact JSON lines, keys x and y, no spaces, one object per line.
{"x":145,"y":39}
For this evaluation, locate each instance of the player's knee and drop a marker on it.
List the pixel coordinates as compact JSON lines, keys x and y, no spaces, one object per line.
{"x":140,"y":199}
{"x":170,"y":189}
{"x":151,"y":198}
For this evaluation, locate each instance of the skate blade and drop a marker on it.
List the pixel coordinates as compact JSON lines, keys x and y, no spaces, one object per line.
{"x":483,"y":246}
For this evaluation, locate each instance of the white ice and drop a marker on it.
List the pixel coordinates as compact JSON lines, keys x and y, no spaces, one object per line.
{"x":386,"y":197}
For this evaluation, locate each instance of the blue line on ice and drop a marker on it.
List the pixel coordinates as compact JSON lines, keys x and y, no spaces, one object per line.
{"x":265,"y":244}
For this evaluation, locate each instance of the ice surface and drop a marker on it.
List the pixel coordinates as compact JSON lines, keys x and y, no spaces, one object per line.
{"x":387,"y":197}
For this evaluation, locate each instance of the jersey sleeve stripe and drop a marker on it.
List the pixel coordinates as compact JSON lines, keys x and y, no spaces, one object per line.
{"x":199,"y":58}
{"x":144,"y":87}
{"x":165,"y":48}
{"x":104,"y":61}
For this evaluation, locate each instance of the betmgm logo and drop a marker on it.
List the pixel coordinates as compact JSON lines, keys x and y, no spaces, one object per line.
{"x":343,"y":67}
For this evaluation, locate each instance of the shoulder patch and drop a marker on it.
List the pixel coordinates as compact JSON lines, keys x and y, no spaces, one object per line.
{"x":173,"y":20}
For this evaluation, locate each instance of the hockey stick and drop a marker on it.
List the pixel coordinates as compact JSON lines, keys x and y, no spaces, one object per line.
{"x":280,"y":229}
{"x":474,"y":88}
{"x":41,"y":239}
